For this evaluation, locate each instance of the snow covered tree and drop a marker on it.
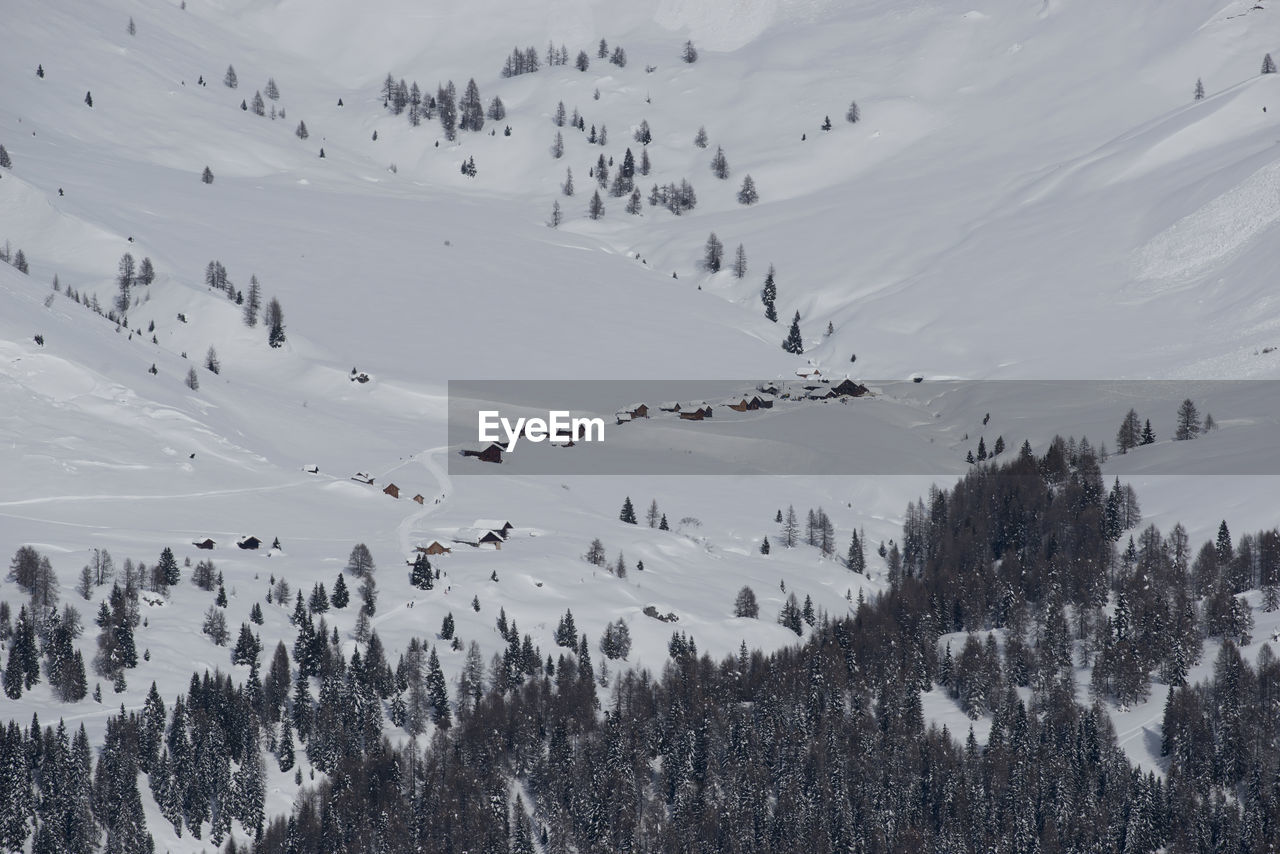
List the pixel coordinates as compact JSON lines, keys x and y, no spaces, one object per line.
{"x":207,"y":175}
{"x":713,"y":253}
{"x":720,"y":164}
{"x":20,"y":262}
{"x":360,"y":562}
{"x":5,"y":161}
{"x":595,"y":209}
{"x":340,"y":596}
{"x":557,"y":147}
{"x":595,"y":553}
{"x":645,"y":166}
{"x":689,"y":54}
{"x":1199,"y":93}
{"x":1130,"y":432}
{"x":252,"y":303}
{"x":583,"y":61}
{"x":740,"y":262}
{"x":769,"y":296}
{"x":556,"y":216}
{"x":88,"y":99}
{"x":1188,"y":421}
{"x":852,"y":115}
{"x":258,"y":106}
{"x":422,"y":576}
{"x":471,"y":108}
{"x":497,"y":110}
{"x":437,"y":692}
{"x":1268,"y":65}
{"x":558,"y":117}
{"x":634,"y":205}
{"x":700,"y":138}
{"x":272,"y":90}
{"x":826,"y":123}
{"x":619,"y":57}
{"x":1148,"y":435}
{"x":211,"y":361}
{"x":748,"y":195}
{"x":744,"y":605}
{"x":628,"y":513}
{"x":229,"y":79}
{"x":215,"y":625}
{"x":146,"y":272}
{"x":302,"y":132}
{"x":793,"y":342}
{"x":274,"y":320}
{"x":447,"y":110}
{"x":615,"y":643}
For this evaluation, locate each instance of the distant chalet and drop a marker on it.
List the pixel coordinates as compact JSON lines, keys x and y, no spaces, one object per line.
{"x":392,"y":490}
{"x":435,"y":548}
{"x":478,"y":537}
{"x":501,"y":527}
{"x":491,"y":454}
{"x":249,"y":543}
{"x":206,"y":543}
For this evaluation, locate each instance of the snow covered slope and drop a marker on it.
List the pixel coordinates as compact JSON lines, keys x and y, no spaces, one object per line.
{"x":1031,"y":192}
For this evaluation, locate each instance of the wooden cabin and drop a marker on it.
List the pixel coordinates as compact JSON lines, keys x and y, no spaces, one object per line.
{"x":692,"y":415}
{"x":392,"y":490}
{"x":311,"y":469}
{"x":669,"y":406}
{"x":435,"y":548}
{"x":638,"y":410}
{"x":249,"y":543}
{"x":477,"y":537}
{"x":848,"y":388}
{"x":206,"y":544}
{"x":419,"y":498}
{"x":361,"y":477}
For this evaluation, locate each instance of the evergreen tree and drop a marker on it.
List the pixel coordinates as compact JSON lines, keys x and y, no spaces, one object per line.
{"x":88,"y":98}
{"x":1130,"y":432}
{"x":438,"y":693}
{"x":247,"y":647}
{"x":211,"y":361}
{"x":207,"y":175}
{"x":720,"y":164}
{"x":595,"y":209}
{"x":764,"y":546}
{"x":447,"y":110}
{"x":229,"y":79}
{"x":272,"y":90}
{"x":745,"y":604}
{"x":274,"y":320}
{"x":793,"y":342}
{"x":471,"y":108}
{"x":1188,"y":421}
{"x":748,"y":195}
{"x":497,"y":110}
{"x":689,"y":54}
{"x":714,"y":252}
{"x":340,"y":596}
{"x":556,"y":216}
{"x":769,"y":295}
{"x":583,"y":61}
{"x":5,"y":161}
{"x":421,"y":575}
{"x":1199,"y":93}
{"x":258,"y":106}
{"x":1148,"y":435}
{"x":662,"y":524}
{"x":252,"y":303}
{"x":700,"y":138}
{"x":628,"y":513}
{"x":852,"y":115}
{"x":1268,"y":65}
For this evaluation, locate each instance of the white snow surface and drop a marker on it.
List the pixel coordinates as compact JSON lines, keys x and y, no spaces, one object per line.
{"x":1031,"y":193}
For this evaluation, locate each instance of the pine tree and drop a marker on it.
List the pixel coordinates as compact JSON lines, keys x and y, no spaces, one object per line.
{"x":497,"y":110}
{"x":1268,"y":65}
{"x":793,"y":342}
{"x":745,"y":604}
{"x":556,"y":216}
{"x":790,"y":528}
{"x":252,"y":303}
{"x":713,"y":254}
{"x":748,"y":195}
{"x":5,"y":161}
{"x":740,"y":262}
{"x":764,"y":546}
{"x":471,"y":108}
{"x":769,"y":295}
{"x":437,"y":692}
{"x":853,"y":114}
{"x":689,"y":54}
{"x":1199,"y":93}
{"x":1188,"y":421}
{"x":229,"y":79}
{"x":595,"y":209}
{"x":628,"y":513}
{"x":557,"y":149}
{"x":274,"y":319}
{"x":645,"y":166}
{"x":583,"y":61}
{"x":1148,"y":435}
{"x":272,"y":90}
{"x":662,"y":523}
{"x":720,"y":164}
{"x":421,"y":576}
{"x":88,"y":98}
{"x":258,"y":106}
{"x":447,"y":109}
{"x":211,"y":361}
{"x":207,"y":175}
{"x":826,"y":123}
{"x":1130,"y":433}
{"x":700,"y":138}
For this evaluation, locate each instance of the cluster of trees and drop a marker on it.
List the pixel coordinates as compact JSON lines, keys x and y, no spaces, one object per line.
{"x":215,"y":277}
{"x":17,"y":259}
{"x":1134,"y":432}
{"x":467,"y":113}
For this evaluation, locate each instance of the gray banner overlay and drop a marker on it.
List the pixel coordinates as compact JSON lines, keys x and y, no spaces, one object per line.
{"x":834,"y":425}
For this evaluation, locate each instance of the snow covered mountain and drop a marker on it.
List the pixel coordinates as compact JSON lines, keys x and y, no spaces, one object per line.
{"x":1031,"y":191}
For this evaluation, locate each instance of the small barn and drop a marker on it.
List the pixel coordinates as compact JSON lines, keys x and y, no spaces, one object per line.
{"x":206,"y":543}
{"x":311,"y":469}
{"x":692,"y":415}
{"x":419,"y":498}
{"x":361,"y":477}
{"x":738,"y":404}
{"x":670,"y":406}
{"x":501,"y":527}
{"x":622,"y":417}
{"x":392,"y":490}
{"x":759,"y":402}
{"x":435,"y":548}
{"x":491,"y":454}
{"x":249,"y":543}
{"x":638,"y":410}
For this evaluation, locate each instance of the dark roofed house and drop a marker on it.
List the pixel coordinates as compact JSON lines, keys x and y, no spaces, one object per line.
{"x":478,"y":537}
{"x":849,"y":388}
{"x":759,"y":402}
{"x":311,"y":469}
{"x":692,"y":415}
{"x":622,"y":417}
{"x":249,"y":543}
{"x":361,"y":477}
{"x":392,"y":490}
{"x":491,"y":454}
{"x":638,"y":410}
{"x":206,"y":543}
{"x":738,"y":404}
{"x":670,"y":406}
